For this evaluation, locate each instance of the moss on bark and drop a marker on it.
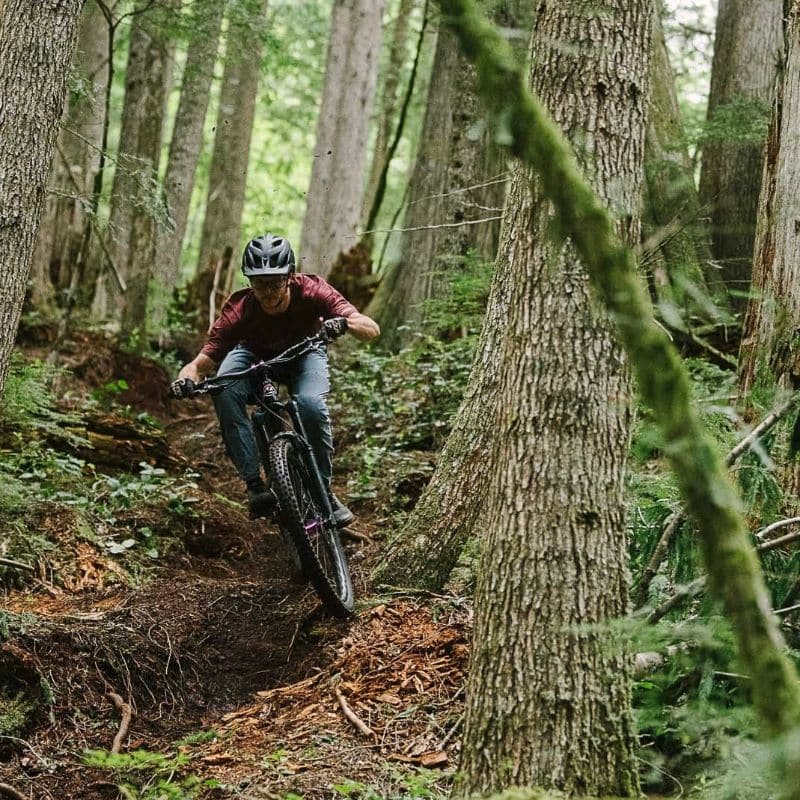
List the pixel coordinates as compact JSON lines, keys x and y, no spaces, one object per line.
{"x":733,"y":569}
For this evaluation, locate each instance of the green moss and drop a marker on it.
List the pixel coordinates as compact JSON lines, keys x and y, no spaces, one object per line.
{"x":16,"y":713}
{"x":733,"y":569}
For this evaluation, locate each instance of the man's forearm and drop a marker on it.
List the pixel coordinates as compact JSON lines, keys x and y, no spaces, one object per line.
{"x":199,"y":367}
{"x":363,"y":327}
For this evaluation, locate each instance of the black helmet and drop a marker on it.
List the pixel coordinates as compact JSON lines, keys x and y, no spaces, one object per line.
{"x":268,"y":255}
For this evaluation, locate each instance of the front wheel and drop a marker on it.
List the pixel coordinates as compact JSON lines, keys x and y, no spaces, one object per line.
{"x":301,"y":516}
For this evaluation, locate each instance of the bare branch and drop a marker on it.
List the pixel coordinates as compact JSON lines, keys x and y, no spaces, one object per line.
{"x":127,"y":712}
{"x":431,"y":227}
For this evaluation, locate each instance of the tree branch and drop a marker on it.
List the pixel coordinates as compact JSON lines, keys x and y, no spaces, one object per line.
{"x":677,"y":517}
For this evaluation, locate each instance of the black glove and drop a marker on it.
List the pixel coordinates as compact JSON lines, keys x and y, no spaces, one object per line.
{"x":181,"y":388}
{"x":334,"y":328}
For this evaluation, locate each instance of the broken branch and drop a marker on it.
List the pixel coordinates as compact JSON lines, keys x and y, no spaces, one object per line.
{"x":127,"y":713}
{"x":351,"y":715}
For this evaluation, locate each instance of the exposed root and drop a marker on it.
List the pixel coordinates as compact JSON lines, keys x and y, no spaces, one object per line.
{"x":127,"y":713}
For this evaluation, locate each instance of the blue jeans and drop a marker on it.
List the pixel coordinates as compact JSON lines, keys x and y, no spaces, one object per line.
{"x":309,"y":383}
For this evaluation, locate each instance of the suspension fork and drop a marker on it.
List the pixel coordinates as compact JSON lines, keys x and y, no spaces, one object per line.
{"x":302,"y":440}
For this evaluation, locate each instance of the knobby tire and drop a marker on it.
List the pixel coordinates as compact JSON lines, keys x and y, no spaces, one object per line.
{"x":319,"y":549}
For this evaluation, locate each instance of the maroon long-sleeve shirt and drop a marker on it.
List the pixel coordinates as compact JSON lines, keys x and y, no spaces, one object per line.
{"x":243,"y":321}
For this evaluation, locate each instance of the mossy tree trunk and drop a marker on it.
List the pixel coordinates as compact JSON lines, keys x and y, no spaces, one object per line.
{"x":135,"y":187}
{"x":453,"y":156}
{"x":231,"y":155}
{"x":672,"y":207}
{"x":136,"y":240}
{"x":389,"y":96}
{"x":548,"y":704}
{"x":734,"y":573}
{"x":186,"y":145}
{"x":38,"y":40}
{"x":336,"y":190}
{"x":770,"y":350}
{"x":747,"y":51}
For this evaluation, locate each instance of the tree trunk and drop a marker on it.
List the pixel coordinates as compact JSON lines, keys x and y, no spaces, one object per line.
{"x":453,"y":155}
{"x":548,"y":704}
{"x":673,"y":213}
{"x":769,"y":348}
{"x":333,"y":209}
{"x":747,"y":51}
{"x":389,"y":97}
{"x":187,"y":144}
{"x":228,"y":180}
{"x":734,"y":572}
{"x":75,"y":163}
{"x":137,"y":160}
{"x":38,"y":42}
{"x":140,"y":218}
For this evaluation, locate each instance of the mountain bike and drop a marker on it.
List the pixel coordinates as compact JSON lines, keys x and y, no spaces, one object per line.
{"x":304,"y":511}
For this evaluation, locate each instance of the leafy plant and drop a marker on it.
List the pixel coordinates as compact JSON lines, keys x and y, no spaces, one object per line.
{"x":145,"y":775}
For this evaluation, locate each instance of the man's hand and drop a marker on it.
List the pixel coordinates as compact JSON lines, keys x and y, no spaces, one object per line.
{"x":334,"y":328}
{"x":191,"y":373}
{"x":183,"y":387}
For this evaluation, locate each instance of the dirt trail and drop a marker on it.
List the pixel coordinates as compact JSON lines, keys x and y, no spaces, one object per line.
{"x":223,"y":648}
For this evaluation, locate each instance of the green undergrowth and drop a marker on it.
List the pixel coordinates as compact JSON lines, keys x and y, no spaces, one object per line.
{"x":51,"y":500}
{"x":394,"y":411}
{"x":145,"y":775}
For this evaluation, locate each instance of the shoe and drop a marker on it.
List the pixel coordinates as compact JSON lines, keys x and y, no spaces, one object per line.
{"x":261,"y":501}
{"x":342,"y":515}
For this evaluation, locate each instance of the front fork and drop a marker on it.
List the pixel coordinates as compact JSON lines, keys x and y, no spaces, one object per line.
{"x":263,"y":436}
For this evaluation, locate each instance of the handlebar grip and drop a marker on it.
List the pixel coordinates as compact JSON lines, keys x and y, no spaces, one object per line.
{"x":184,"y":387}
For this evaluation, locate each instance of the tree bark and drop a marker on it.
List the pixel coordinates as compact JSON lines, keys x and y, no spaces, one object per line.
{"x":730,"y":560}
{"x":335,"y":193}
{"x":134,"y":188}
{"x":136,"y":242}
{"x":769,"y":347}
{"x":548,"y":704}
{"x":672,"y":209}
{"x":38,"y":43}
{"x":186,"y":144}
{"x":228,"y":180}
{"x":75,"y":163}
{"x":389,"y":97}
{"x":454,"y":155}
{"x":747,"y":51}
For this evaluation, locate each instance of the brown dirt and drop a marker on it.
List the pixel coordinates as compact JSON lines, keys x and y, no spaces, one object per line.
{"x":222,"y":642}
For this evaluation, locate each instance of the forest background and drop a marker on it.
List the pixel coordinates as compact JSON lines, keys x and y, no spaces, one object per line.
{"x":468,"y":436}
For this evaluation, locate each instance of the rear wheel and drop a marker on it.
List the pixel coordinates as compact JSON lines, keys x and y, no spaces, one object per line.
{"x":302,"y":518}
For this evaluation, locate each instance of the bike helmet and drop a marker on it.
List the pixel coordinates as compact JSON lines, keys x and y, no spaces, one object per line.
{"x":268,"y":255}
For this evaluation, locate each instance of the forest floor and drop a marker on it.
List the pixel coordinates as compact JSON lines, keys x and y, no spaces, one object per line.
{"x":234,"y":675}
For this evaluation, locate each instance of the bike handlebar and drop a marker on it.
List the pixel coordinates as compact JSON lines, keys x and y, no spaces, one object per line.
{"x":184,"y":388}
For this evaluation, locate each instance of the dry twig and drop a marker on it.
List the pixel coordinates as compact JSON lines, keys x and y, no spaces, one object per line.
{"x":10,"y":791}
{"x":127,"y":713}
{"x":351,"y":715}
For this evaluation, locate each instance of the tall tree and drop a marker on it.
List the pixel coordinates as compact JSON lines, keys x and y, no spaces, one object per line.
{"x":747,"y":51}
{"x":769,"y":345}
{"x":733,"y":569}
{"x":75,"y":163}
{"x":335,"y":193}
{"x":38,"y":40}
{"x":187,"y":141}
{"x":135,"y":189}
{"x":457,"y":181}
{"x":554,"y":515}
{"x":389,"y":97}
{"x":237,"y":105}
{"x":672,"y":209}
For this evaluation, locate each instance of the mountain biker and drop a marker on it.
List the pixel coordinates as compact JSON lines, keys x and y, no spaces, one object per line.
{"x":280,"y":308}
